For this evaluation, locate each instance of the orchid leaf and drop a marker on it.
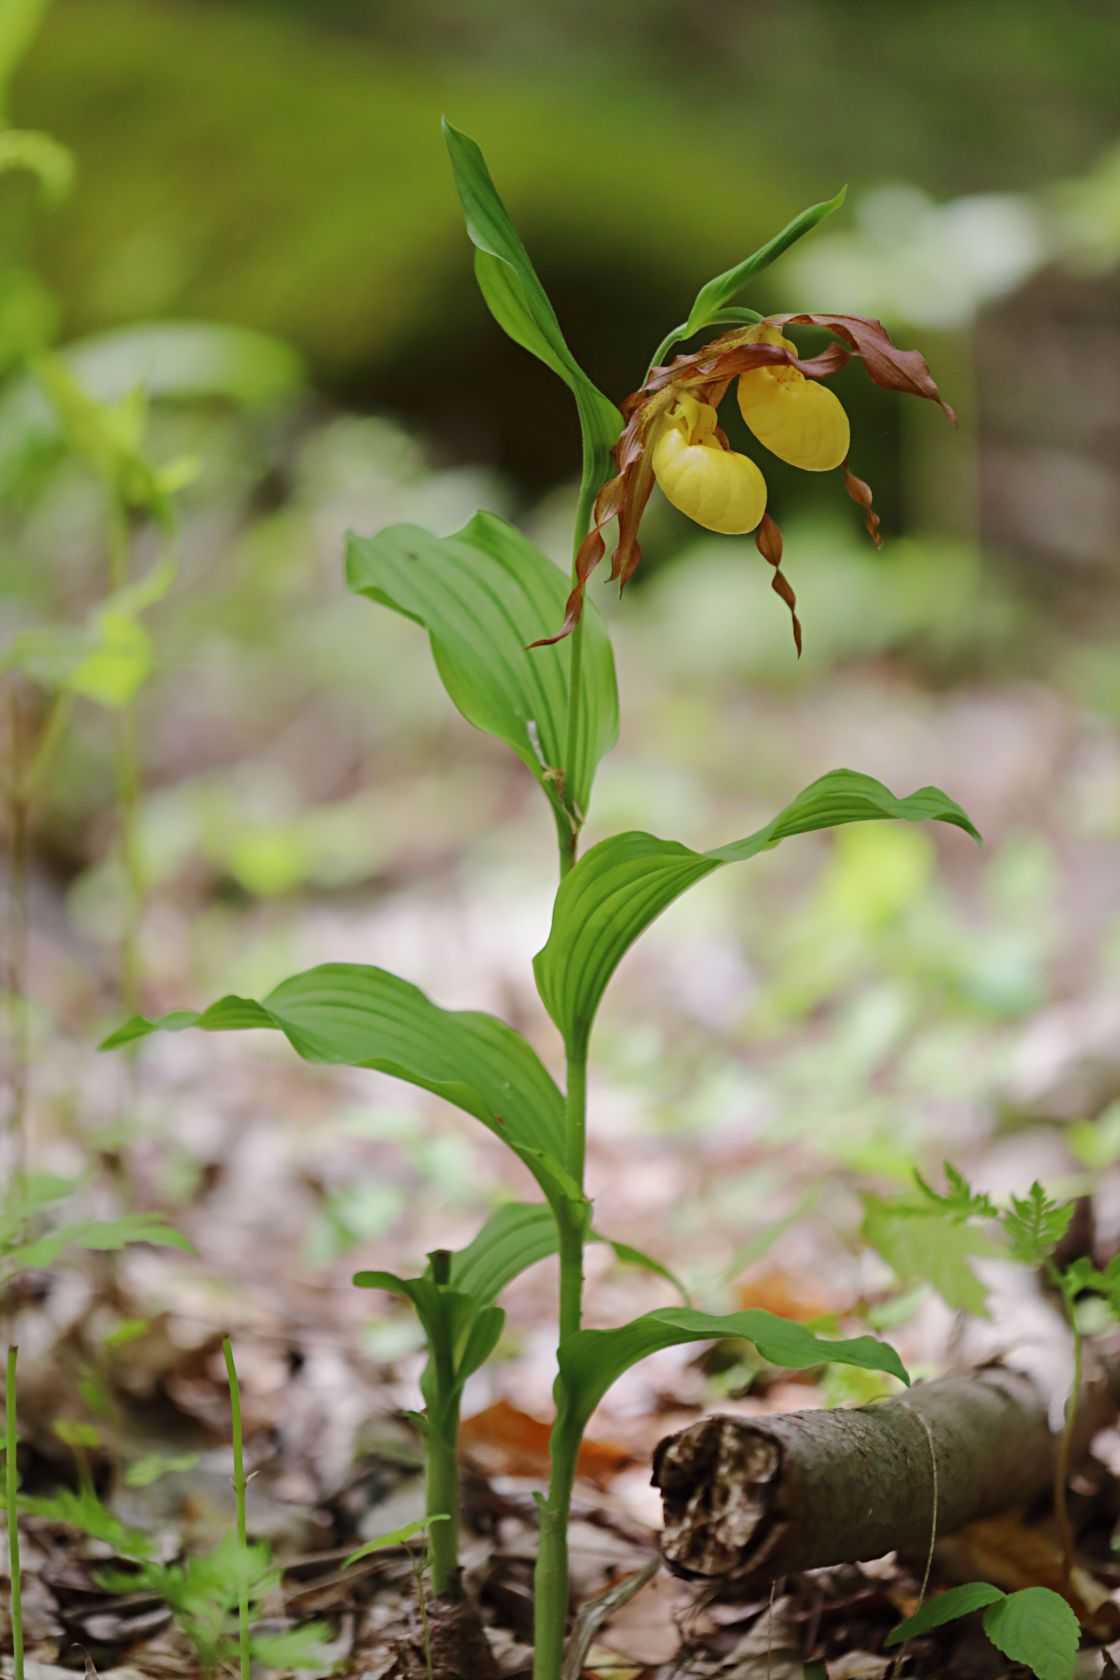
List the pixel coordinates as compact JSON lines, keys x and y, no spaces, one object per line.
{"x":454,"y":1324}
{"x":515,"y":1237}
{"x":624,"y":883}
{"x":627,"y":1255}
{"x":352,"y":1015}
{"x":718,"y":293}
{"x":483,"y":595}
{"x":513,"y":291}
{"x":591,"y":1360}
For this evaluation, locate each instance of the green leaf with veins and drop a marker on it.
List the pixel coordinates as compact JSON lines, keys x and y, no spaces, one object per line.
{"x":959,"y":1199}
{"x":353,"y":1015}
{"x":945,"y":1607}
{"x":513,"y":291}
{"x":591,"y":1360}
{"x":624,"y":883}
{"x":1036,"y":1627}
{"x":483,"y":595}
{"x":1035,"y":1224}
{"x":714,"y":297}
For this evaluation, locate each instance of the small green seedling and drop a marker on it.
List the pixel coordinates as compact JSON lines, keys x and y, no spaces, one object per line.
{"x":1035,"y":1626}
{"x":525,"y":655}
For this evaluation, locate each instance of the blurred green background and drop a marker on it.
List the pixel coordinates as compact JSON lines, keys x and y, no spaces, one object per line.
{"x":279,"y":168}
{"x":280,"y":165}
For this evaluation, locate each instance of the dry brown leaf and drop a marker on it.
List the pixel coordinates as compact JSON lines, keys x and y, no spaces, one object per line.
{"x":516,"y":1444}
{"x":1012,"y":1556}
{"x":777,"y":1292}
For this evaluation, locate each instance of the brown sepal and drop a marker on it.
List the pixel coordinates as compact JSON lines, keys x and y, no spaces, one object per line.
{"x":860,"y":491}
{"x":894,"y":369}
{"x":705,"y":374}
{"x":768,"y":541}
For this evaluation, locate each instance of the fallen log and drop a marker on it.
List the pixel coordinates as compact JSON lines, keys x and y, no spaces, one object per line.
{"x":760,"y":1497}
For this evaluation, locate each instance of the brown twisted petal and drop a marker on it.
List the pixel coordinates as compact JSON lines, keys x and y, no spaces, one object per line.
{"x":860,"y":491}
{"x":888,"y":366}
{"x":768,"y":541}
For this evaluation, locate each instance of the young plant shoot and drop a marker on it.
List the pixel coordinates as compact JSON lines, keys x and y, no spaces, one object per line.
{"x":524,"y":654}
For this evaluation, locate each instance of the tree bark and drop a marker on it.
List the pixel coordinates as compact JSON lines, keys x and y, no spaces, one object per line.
{"x":756,"y":1498}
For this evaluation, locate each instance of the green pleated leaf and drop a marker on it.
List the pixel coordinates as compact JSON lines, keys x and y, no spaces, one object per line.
{"x":483,"y":595}
{"x":352,"y":1015}
{"x":485,"y":1332}
{"x":513,"y":291}
{"x":461,"y":1330}
{"x":428,"y":1300}
{"x":945,"y":1607}
{"x":627,"y":1255}
{"x":514,"y":1238}
{"x":591,"y":1360}
{"x":1037,"y":1627}
{"x":623,"y":884}
{"x":718,"y":293}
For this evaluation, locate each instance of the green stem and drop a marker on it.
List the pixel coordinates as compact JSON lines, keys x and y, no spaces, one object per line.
{"x":128,"y":792}
{"x":571,"y":1235}
{"x":550,"y":1580}
{"x":239,"y":1495}
{"x":11,"y":1491}
{"x":664,"y":348}
{"x":569,"y":833}
{"x":442,"y":1490}
{"x":681,"y":332}
{"x":1065,"y":1445}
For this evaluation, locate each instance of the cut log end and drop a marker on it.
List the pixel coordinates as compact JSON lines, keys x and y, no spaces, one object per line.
{"x":716,"y":1489}
{"x":755,"y":1498}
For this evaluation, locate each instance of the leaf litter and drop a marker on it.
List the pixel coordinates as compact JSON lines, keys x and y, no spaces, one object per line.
{"x":699,"y":1143}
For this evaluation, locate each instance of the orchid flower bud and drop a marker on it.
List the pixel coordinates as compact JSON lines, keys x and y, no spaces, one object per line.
{"x":711,"y":484}
{"x":797,"y":419}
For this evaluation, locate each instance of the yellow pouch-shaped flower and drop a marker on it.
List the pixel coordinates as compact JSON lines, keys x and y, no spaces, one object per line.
{"x":797,"y":419}
{"x":717,"y":488}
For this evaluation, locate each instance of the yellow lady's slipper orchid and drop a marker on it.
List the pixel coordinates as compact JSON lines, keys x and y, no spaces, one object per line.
{"x":703,"y":478}
{"x":672,"y":437}
{"x":798,"y":420}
